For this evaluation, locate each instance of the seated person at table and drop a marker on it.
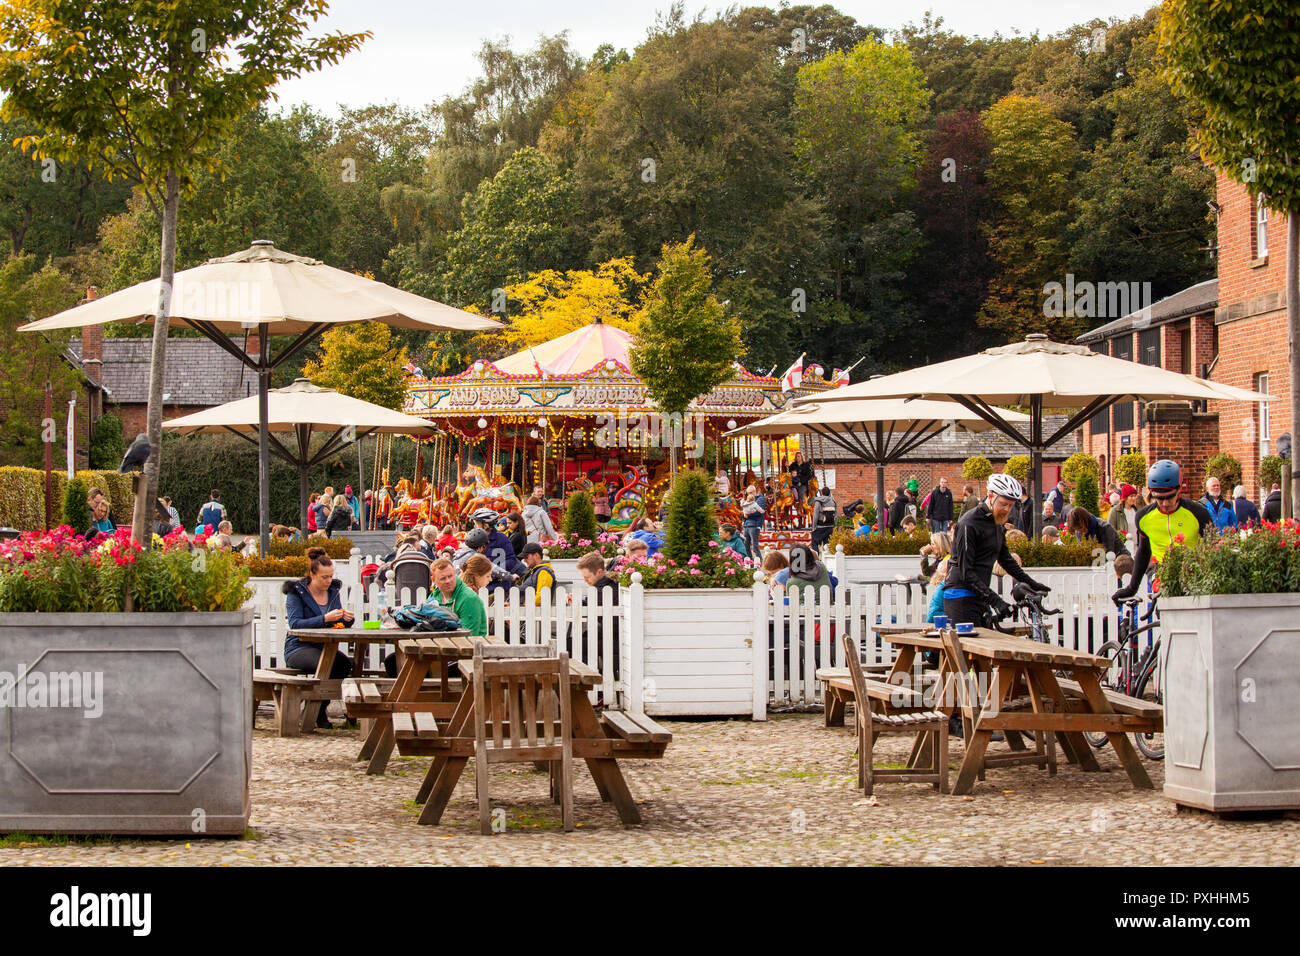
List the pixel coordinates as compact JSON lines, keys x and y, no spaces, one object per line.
{"x":221,"y":541}
{"x":315,"y":601}
{"x":459,"y":595}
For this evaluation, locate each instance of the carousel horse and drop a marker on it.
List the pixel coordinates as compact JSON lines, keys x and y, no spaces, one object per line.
{"x":727,"y":510}
{"x":785,"y":511}
{"x":625,"y":503}
{"x":500,"y":496}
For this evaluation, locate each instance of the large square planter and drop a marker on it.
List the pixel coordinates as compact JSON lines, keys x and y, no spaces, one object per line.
{"x":698,"y":652}
{"x":126,"y":723}
{"x":1231,"y":666}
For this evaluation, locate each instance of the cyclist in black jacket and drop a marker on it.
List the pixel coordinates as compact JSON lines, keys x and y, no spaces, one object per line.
{"x":978,"y":542}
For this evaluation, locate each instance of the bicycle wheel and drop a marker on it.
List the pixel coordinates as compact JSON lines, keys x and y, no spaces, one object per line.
{"x":1151,"y":745}
{"x":1113,"y":679}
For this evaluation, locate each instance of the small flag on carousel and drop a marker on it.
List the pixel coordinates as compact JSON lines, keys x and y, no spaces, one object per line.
{"x":410,"y":369}
{"x":793,"y":376}
{"x":841,"y":378}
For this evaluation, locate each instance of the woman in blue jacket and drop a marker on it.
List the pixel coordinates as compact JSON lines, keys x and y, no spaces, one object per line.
{"x":315,"y":601}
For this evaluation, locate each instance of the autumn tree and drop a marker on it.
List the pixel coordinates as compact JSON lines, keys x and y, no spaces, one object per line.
{"x":550,"y":303}
{"x":1032,"y":158}
{"x":1236,"y":61}
{"x":359,"y":359}
{"x":146,"y":90}
{"x":685,"y":343}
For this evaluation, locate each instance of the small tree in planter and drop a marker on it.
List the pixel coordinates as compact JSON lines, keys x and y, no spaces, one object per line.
{"x":1077,"y":464}
{"x":691,"y":519}
{"x":76,"y":513}
{"x":1226,"y":468}
{"x":976,"y":468}
{"x":1018,"y":468}
{"x":1131,"y":468}
{"x":1270,"y":473}
{"x":1086,"y":492}
{"x":580,"y":518}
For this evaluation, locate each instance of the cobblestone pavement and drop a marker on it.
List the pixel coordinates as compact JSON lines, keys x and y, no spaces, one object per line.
{"x":728,"y":792}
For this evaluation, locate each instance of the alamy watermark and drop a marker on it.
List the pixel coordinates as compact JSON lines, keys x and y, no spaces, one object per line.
{"x":69,"y":690}
{"x":624,"y":429}
{"x":1095,"y":300}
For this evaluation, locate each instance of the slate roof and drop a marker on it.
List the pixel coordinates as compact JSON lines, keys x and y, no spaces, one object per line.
{"x":199,"y":372}
{"x":1195,"y":299}
{"x":961,"y":445}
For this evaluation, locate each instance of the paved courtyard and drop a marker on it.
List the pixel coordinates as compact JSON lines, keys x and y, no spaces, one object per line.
{"x":728,"y":792}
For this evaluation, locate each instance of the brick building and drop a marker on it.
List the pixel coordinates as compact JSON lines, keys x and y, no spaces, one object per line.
{"x":1251,"y":324}
{"x":1177,"y":333}
{"x":940,"y":457}
{"x":200,"y":374}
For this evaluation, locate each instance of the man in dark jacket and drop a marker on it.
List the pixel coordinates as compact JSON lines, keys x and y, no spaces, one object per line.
{"x":938,"y":509}
{"x":1273,"y":505}
{"x":1245,"y":510}
{"x":978,"y":543}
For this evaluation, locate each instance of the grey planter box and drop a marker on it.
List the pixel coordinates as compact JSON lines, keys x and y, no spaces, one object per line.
{"x":1232,"y":714}
{"x":145,"y":726}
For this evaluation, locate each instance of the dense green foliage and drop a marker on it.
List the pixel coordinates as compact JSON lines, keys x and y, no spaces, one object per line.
{"x":107,"y":444}
{"x":580,"y":518}
{"x":976,"y":468}
{"x":1086,"y":493}
{"x":692,"y":522}
{"x":1259,"y":561}
{"x":1224,"y":467}
{"x":1131,"y":468}
{"x":1077,"y":464}
{"x":76,"y":511}
{"x":1270,"y":472}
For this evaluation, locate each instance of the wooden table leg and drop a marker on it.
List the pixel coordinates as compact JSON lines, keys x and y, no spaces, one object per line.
{"x":972,"y":762}
{"x":440,"y":791}
{"x":1096,"y":697}
{"x":459,"y":724}
{"x":1073,"y":744}
{"x":311,"y":709}
{"x":604,"y":770}
{"x":834,"y":708}
{"x":405,"y":688}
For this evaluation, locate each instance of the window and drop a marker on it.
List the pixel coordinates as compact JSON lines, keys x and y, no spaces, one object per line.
{"x":1185,"y":351}
{"x":1100,"y":423}
{"x":1149,"y":347}
{"x":1122,"y":416}
{"x":1265,"y":423}
{"x":1261,"y":228}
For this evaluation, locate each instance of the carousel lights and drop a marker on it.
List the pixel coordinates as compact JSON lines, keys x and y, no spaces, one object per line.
{"x":731,"y":424}
{"x":482,"y":423}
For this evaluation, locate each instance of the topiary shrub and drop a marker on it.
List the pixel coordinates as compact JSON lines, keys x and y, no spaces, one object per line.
{"x":976,"y":468}
{"x":580,"y":518}
{"x":895,"y":542}
{"x":1270,"y":472}
{"x":1086,"y":492}
{"x":691,"y":519}
{"x":1131,"y":468}
{"x":107,"y":446}
{"x":1077,"y":464}
{"x":1226,"y":468}
{"x":1018,"y":468}
{"x":117,"y":489}
{"x":76,"y":513}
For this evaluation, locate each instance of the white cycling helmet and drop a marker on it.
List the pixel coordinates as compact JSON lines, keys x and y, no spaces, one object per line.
{"x":1005,"y":487}
{"x":486,"y":515}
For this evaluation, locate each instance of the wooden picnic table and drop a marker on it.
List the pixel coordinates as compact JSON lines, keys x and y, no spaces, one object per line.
{"x":601,"y":741}
{"x":422,"y":688}
{"x":1022,"y":694}
{"x":329,"y":638}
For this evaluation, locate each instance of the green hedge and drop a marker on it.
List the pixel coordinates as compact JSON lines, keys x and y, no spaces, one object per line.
{"x":22,"y":496}
{"x":887,"y":543}
{"x":1072,"y":552}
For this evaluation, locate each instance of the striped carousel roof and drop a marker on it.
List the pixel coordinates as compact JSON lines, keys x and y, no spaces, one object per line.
{"x":574,"y":353}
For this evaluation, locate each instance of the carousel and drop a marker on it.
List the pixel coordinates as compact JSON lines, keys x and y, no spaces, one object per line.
{"x":569,"y":415}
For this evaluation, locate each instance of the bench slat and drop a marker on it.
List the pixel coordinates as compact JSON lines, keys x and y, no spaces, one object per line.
{"x":425,"y":724}
{"x":626,"y":728}
{"x":403,"y":726}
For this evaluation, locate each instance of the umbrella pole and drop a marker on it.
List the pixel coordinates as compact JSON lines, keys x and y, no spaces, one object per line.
{"x":263,"y":447}
{"x":1036,"y":464}
{"x":880,"y":476}
{"x":361,"y":475}
{"x":302,"y":497}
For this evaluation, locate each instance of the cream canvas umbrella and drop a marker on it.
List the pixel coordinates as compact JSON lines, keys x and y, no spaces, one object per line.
{"x":1037,"y":373}
{"x":293,"y":414}
{"x":273,"y":292}
{"x":877,"y":431}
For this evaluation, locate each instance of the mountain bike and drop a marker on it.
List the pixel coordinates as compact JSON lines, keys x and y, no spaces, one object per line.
{"x":1027,"y":601}
{"x":1132,"y":670}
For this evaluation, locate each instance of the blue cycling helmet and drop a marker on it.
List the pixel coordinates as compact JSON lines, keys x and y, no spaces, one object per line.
{"x":1165,"y":474}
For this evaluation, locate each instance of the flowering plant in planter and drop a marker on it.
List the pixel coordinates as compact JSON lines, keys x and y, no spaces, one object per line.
{"x":60,"y":571}
{"x":1260,"y":560}
{"x":719,"y":568}
{"x":573,"y":546}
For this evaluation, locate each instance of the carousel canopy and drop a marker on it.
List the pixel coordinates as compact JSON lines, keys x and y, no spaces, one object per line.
{"x":586,"y":372}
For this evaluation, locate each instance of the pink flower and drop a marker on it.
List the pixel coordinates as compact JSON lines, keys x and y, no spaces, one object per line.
{"x":695,"y":571}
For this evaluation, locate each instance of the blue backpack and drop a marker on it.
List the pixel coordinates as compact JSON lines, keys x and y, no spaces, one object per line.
{"x":429,"y":616}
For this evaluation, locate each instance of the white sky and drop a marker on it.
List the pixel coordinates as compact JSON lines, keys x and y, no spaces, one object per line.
{"x":423,"y":51}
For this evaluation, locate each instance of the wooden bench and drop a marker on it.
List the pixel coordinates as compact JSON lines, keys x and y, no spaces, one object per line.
{"x":1148,"y":710}
{"x":837,"y":690}
{"x":289,"y":689}
{"x":634,"y":727}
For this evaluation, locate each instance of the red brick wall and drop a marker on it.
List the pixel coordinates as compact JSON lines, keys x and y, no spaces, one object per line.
{"x":858,"y":480}
{"x":135,"y":418}
{"x":1252,"y":328}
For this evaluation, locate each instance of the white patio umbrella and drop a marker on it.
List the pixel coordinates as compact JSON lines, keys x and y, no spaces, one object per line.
{"x":878,"y":431}
{"x":276,"y":293}
{"x":1037,"y":373}
{"x":298,"y":410}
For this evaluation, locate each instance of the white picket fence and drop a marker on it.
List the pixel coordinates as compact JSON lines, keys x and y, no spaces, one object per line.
{"x":791,"y":637}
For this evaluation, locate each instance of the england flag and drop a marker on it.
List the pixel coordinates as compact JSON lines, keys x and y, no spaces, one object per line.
{"x":793,"y":376}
